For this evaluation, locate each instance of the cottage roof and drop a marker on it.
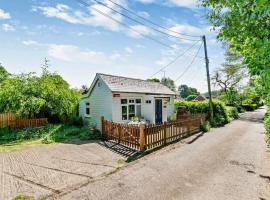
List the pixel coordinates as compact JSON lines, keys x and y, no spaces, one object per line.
{"x":133,"y":85}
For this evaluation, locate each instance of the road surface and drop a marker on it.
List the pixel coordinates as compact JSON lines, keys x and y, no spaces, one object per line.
{"x":229,"y":163}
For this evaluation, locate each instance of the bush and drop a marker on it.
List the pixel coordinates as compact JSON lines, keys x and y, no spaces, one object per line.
{"x":76,"y":121}
{"x":267,"y":127}
{"x":232,"y":112}
{"x":250,"y":107}
{"x":205,"y":127}
{"x":220,"y":113}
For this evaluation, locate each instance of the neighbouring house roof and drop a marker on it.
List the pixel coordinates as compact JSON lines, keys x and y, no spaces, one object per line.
{"x":199,"y":98}
{"x":133,"y":85}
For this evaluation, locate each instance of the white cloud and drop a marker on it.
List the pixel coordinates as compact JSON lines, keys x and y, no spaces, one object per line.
{"x":182,"y":3}
{"x":185,"y":29}
{"x":4,"y":15}
{"x":138,"y":31}
{"x":128,"y":50}
{"x":92,"y":17}
{"x":144,"y":14}
{"x":29,"y":42}
{"x":8,"y":27}
{"x":72,"y":53}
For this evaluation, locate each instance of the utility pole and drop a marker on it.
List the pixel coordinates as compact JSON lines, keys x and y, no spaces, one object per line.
{"x":208,"y":78}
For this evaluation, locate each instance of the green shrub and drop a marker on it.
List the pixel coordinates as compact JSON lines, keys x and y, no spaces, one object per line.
{"x":76,"y":121}
{"x":220,"y":117}
{"x":205,"y":127}
{"x":232,"y":112}
{"x":250,"y":107}
{"x":267,"y":127}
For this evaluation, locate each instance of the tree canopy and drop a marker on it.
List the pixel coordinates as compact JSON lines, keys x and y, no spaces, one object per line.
{"x":168,"y":82}
{"x":186,"y":91}
{"x":29,"y":95}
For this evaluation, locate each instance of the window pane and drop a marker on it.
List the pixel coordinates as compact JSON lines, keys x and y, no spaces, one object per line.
{"x":138,"y":101}
{"x":88,"y":104}
{"x":131,"y":101}
{"x":131,"y":111}
{"x":88,"y":111}
{"x":124,"y":112}
{"x":123,"y":101}
{"x":138,"y":110}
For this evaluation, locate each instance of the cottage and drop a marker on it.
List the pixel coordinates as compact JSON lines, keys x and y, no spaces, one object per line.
{"x":121,"y":99}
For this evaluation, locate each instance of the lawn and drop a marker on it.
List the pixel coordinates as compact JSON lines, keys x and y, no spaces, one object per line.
{"x":16,"y":139}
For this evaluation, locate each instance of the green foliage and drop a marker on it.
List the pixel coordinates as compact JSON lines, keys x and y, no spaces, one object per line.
{"x":23,"y":197}
{"x":267,"y":127}
{"x":232,"y":112}
{"x":186,"y":91}
{"x":153,"y":80}
{"x":168,"y":82}
{"x":32,"y":96}
{"x":47,"y":134}
{"x":245,"y":25}
{"x":250,"y":107}
{"x":191,"y":97}
{"x":3,"y":74}
{"x":231,"y":97}
{"x":220,"y":113}
{"x":76,"y":121}
{"x":205,"y":127}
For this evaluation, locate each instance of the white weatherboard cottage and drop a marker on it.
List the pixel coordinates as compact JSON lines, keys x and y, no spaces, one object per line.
{"x":120,"y":99}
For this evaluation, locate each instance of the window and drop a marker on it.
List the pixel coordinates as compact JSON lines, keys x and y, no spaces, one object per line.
{"x":123,"y":101}
{"x":130,"y":108}
{"x":148,"y":101}
{"x":138,"y":110}
{"x":131,"y":111}
{"x":124,"y":112}
{"x":87,"y":108}
{"x":138,"y":101}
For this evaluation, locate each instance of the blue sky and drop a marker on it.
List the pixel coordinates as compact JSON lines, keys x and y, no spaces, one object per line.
{"x":80,"y":42}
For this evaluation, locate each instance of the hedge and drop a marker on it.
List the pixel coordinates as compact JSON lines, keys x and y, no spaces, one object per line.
{"x":220,"y":117}
{"x":267,"y":126}
{"x":232,"y":112}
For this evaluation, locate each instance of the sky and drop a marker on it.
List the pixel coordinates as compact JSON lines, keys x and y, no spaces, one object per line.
{"x":79,"y":41}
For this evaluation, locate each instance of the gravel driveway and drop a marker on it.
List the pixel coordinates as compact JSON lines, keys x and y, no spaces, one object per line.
{"x":228,"y":163}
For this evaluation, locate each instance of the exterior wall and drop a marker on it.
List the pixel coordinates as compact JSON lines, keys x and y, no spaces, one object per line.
{"x":147,"y":110}
{"x":100,"y":101}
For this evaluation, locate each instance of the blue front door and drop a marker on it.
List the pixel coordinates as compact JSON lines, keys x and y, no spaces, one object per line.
{"x":158,"y":111}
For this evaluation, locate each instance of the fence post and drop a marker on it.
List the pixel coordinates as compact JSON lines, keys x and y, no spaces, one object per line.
{"x":102,"y":126}
{"x":165,"y":132}
{"x":142,"y":137}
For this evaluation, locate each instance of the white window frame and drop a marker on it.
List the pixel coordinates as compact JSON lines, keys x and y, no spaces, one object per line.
{"x":127,"y":105}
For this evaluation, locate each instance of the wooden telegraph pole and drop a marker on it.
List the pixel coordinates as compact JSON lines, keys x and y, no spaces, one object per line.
{"x":208,"y":78}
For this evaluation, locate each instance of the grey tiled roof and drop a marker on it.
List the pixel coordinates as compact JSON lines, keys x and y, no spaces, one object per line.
{"x":132,"y":85}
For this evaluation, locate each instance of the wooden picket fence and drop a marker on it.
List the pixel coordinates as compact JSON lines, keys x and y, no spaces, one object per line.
{"x":145,"y":137}
{"x":11,"y":121}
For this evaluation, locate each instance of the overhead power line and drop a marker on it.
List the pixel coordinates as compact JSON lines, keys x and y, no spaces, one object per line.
{"x":190,"y":64}
{"x":151,"y":22}
{"x":176,"y":58}
{"x":124,"y":24}
{"x":138,"y":22}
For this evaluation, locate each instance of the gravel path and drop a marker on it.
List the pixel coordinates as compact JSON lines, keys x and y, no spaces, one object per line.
{"x":228,"y":163}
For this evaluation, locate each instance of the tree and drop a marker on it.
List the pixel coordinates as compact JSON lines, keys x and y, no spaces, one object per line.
{"x":32,"y":96}
{"x":153,"y":80}
{"x":168,"y":82}
{"x":84,"y":89}
{"x":191,"y":97}
{"x":186,"y":91}
{"x":245,"y":25}
{"x":231,"y":73}
{"x":3,"y":73}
